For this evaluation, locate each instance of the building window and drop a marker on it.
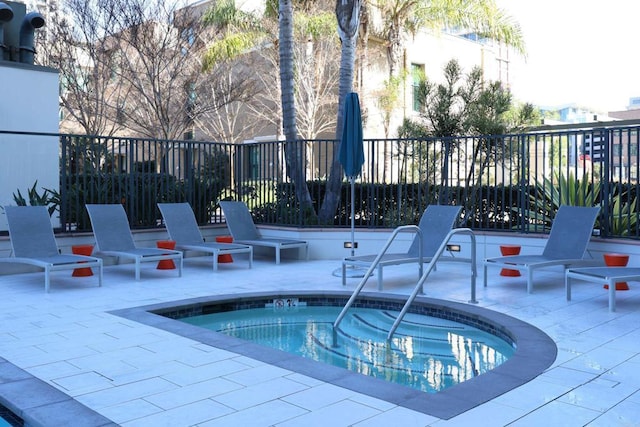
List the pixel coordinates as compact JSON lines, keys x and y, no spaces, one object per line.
{"x":417,"y":76}
{"x":617,"y":149}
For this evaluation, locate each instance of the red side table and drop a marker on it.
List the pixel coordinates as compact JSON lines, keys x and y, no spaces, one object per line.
{"x":617,"y":260}
{"x":509,"y":250}
{"x":226,"y":257}
{"x":82,"y":250}
{"x":166,"y":264}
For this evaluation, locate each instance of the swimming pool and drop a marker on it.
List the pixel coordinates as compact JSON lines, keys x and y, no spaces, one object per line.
{"x":534,"y":350}
{"x":426,"y":353}
{"x":9,"y":419}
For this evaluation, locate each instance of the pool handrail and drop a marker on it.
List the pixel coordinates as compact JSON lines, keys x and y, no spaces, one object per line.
{"x":419,"y":286}
{"x":370,"y":270}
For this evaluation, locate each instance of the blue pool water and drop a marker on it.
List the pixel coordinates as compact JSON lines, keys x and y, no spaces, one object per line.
{"x":426,"y":353}
{"x":8,"y":418}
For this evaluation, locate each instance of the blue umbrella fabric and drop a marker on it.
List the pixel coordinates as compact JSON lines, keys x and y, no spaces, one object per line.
{"x":351,"y":154}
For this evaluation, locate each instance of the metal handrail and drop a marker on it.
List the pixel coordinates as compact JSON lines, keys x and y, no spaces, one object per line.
{"x":372,"y":267}
{"x":431,"y":266}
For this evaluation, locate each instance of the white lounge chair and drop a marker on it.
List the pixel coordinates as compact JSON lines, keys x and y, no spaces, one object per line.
{"x":566,"y":245}
{"x":436,"y":222}
{"x":33,"y":243}
{"x":602,"y":275}
{"x":244,"y":231}
{"x":113,"y":238}
{"x":183,"y":229}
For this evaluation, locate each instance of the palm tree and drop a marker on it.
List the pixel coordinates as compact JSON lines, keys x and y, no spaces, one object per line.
{"x":407,"y":17}
{"x":348,"y":15}
{"x":239,"y":32}
{"x":295,"y":150}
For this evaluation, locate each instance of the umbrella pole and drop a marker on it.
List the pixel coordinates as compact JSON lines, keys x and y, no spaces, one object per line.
{"x":353,"y":219}
{"x":351,"y":271}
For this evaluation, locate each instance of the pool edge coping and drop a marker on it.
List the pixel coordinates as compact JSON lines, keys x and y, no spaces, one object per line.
{"x":38,"y":403}
{"x":535,"y":352}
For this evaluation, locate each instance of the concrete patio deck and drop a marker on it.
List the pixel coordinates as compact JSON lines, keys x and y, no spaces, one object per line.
{"x":68,"y":361}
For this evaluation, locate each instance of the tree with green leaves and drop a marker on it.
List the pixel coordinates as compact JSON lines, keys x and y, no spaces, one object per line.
{"x":228,"y":34}
{"x":466,"y":105}
{"x":404,"y":18}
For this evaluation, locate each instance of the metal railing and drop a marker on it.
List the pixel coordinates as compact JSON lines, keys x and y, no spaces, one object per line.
{"x":504,"y":182}
{"x":372,"y":267}
{"x":419,"y":288}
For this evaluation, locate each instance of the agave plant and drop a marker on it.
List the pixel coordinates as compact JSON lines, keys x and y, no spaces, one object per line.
{"x":623,"y":217}
{"x":48,"y":198}
{"x":550,"y":195}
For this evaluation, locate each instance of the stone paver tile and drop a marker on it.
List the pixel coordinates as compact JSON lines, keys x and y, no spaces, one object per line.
{"x":187,"y":415}
{"x":124,"y":393}
{"x":129,"y":411}
{"x":343,"y":413}
{"x":260,"y":393}
{"x":264,"y":415}
{"x":318,"y":397}
{"x":398,"y":416}
{"x":191,"y":375}
{"x":558,"y":414}
{"x":83,"y":383}
{"x":193,"y":393}
{"x":258,"y":374}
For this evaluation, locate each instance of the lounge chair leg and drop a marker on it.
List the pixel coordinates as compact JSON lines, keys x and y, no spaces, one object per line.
{"x":250,"y":257}
{"x":567,"y":286}
{"x":180,"y":265}
{"x":529,"y":281}
{"x":215,"y":261}
{"x":277,"y":255}
{"x":100,"y":271}
{"x":47,"y":272}
{"x":612,"y":295}
{"x":137,"y":269}
{"x":380,"y":278}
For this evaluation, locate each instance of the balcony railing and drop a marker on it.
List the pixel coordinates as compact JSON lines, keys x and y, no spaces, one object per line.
{"x":504,"y":182}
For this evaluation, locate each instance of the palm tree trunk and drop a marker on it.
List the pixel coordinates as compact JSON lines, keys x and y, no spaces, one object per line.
{"x":295,"y":150}
{"x":394,"y":50}
{"x":348,"y":15}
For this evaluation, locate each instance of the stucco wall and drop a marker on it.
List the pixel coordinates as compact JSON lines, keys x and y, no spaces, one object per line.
{"x":28,"y":103}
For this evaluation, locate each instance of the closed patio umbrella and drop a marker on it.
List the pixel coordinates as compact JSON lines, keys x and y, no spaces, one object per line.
{"x":351,"y":153}
{"x":351,"y":147}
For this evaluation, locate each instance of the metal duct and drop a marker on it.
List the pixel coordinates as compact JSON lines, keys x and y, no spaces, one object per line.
{"x":31,"y":21}
{"x":6,"y":15}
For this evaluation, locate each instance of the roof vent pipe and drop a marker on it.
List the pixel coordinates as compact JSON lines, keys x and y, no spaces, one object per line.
{"x":6,"y":15}
{"x":31,"y":21}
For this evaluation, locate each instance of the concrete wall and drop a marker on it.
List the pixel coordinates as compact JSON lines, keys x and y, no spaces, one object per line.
{"x":29,"y":103}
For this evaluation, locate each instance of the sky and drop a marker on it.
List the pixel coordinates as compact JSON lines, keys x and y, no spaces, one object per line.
{"x":582,"y":52}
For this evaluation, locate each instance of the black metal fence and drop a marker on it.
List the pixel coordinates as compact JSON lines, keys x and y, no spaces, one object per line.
{"x":505,"y":182}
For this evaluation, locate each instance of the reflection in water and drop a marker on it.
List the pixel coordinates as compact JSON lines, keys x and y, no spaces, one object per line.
{"x":426,"y":353}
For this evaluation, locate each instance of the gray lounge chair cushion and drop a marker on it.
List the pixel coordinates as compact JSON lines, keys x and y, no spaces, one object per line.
{"x":113,"y":237}
{"x":33,"y":243}
{"x":243,"y":230}
{"x":567,"y":244}
{"x":436,"y":222}
{"x":183,"y":229}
